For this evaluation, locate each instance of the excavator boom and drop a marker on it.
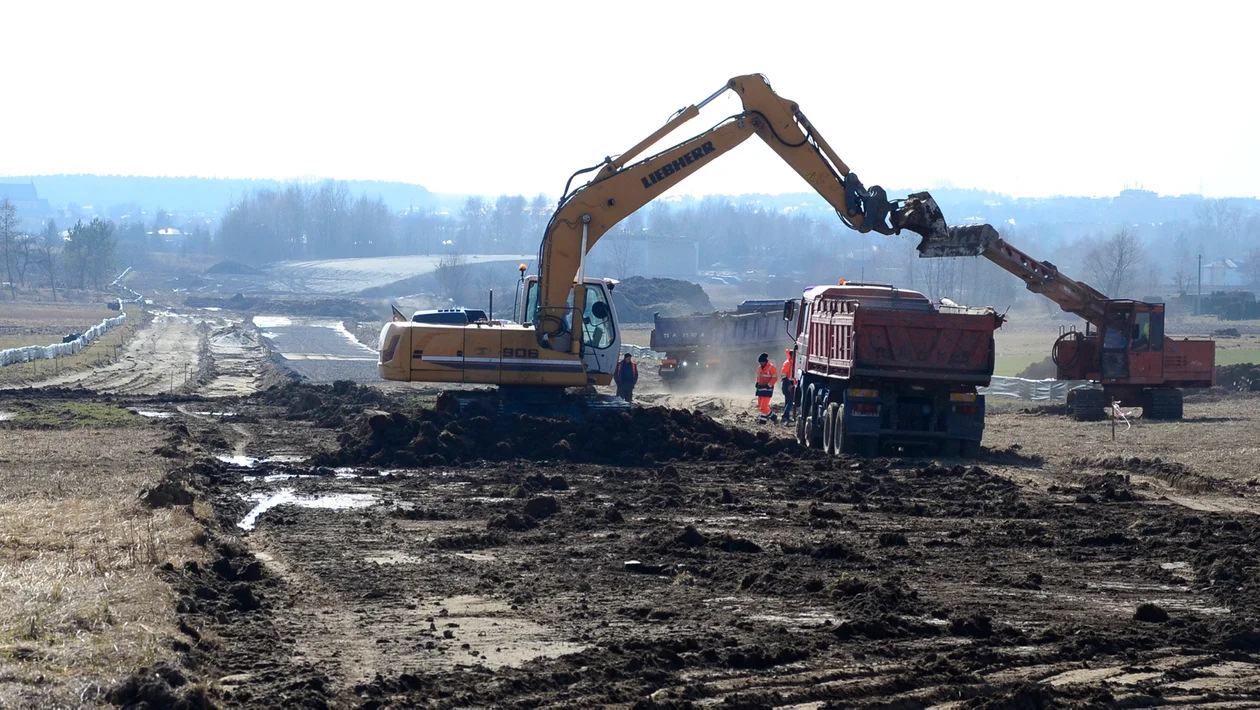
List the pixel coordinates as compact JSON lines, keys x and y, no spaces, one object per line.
{"x":621,"y":187}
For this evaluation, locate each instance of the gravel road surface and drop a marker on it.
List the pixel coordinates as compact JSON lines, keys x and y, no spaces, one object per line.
{"x":321,"y":350}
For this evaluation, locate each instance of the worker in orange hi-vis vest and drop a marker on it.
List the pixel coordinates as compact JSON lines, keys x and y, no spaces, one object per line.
{"x":766,"y":375}
{"x":787,"y":375}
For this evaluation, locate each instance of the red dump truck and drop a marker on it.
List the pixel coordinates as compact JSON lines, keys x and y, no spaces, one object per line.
{"x":877,"y":365}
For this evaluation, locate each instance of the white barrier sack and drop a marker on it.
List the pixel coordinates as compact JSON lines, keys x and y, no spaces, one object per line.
{"x":1034,"y":390}
{"x":641,"y":352}
{"x":13,"y":356}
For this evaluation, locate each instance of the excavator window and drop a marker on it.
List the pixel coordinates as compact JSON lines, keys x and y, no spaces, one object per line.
{"x":598,"y":330}
{"x":1114,"y":335}
{"x":1141,"y":332}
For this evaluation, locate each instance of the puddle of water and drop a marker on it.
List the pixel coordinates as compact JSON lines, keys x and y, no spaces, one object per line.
{"x":153,"y":414}
{"x":7,"y":416}
{"x":273,"y":477}
{"x":332,"y":501}
{"x":215,"y":414}
{"x":244,"y":461}
{"x":1174,"y":565}
{"x":271,"y":321}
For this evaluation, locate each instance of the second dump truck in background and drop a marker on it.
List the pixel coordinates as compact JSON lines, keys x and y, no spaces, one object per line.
{"x":877,"y":365}
{"x":712,"y":347}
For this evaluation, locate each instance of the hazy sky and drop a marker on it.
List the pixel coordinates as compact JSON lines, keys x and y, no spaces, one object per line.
{"x":1020,"y":97}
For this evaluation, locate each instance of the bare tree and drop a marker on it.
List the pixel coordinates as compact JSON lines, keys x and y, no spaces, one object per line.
{"x":623,"y":253}
{"x":450,"y":274}
{"x":1251,"y":267}
{"x":1221,"y":220}
{"x":1181,"y":276}
{"x":51,"y":239}
{"x":8,"y":237}
{"x":1112,"y":264}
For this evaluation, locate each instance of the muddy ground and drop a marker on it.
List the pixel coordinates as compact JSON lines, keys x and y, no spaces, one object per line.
{"x":636,"y":568}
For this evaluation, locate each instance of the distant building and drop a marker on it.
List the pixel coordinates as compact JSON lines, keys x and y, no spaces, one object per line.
{"x":27,"y":201}
{"x":169,"y":235}
{"x":1224,"y":272}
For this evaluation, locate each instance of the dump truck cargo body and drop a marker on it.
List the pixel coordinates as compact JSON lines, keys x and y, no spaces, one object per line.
{"x":900,"y":369}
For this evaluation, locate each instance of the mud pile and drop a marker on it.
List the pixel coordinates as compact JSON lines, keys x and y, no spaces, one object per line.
{"x":642,"y":436}
{"x":328,"y":406}
{"x":637,"y":298}
{"x":1244,"y":377}
{"x":1041,"y":370}
{"x":233,"y":267}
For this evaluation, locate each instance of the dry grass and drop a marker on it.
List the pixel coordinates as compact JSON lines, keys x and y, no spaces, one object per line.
{"x":100,"y":351}
{"x":1217,"y":439}
{"x":80,"y":605}
{"x":25,"y":318}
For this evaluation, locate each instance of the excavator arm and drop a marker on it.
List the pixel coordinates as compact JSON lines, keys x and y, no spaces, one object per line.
{"x":621,"y":187}
{"x":1038,"y":276}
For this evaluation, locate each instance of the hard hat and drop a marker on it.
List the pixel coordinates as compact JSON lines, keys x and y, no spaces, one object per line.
{"x":764,"y":357}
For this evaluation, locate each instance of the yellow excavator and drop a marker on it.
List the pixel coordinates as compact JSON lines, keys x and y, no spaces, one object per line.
{"x":541,"y":352}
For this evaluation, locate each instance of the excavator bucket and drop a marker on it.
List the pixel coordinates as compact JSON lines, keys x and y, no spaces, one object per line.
{"x":967,"y":240}
{"x":920,"y":214}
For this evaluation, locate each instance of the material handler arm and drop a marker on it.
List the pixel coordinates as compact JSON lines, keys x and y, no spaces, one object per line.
{"x":588,"y":212}
{"x":1039,"y":276}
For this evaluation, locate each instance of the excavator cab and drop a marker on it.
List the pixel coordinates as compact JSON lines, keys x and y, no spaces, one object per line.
{"x":601,"y":338}
{"x":1128,"y":347}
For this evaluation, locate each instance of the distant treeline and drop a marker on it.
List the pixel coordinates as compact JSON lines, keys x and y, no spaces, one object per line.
{"x":329,"y":222}
{"x":192,"y":194}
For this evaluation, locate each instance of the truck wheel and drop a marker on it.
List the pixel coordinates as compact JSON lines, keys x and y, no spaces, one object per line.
{"x":813,"y":427}
{"x":800,"y":426}
{"x":832,"y":434}
{"x":969,"y":449}
{"x":1088,"y":405}
{"x":949,"y":448}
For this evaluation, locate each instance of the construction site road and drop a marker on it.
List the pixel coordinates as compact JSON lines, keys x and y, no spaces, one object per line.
{"x":162,"y":357}
{"x":320,"y":350}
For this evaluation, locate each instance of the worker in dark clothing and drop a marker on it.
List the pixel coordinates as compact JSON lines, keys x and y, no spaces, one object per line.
{"x":788,"y":380}
{"x":626,"y":375}
{"x":766,"y":375}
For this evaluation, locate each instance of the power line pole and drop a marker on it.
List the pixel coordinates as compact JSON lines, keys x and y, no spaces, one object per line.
{"x":1198,"y":301}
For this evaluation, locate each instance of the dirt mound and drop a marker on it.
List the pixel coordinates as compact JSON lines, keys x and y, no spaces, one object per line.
{"x":328,"y":406}
{"x":313,"y":307}
{"x":233,"y":267}
{"x":1177,"y":475}
{"x":1244,"y":377}
{"x":642,"y":436}
{"x":1042,"y":370}
{"x":637,"y":298}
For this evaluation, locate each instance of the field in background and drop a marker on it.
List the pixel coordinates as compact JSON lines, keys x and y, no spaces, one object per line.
{"x":103,"y":349}
{"x":347,"y":276}
{"x":23,"y":324}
